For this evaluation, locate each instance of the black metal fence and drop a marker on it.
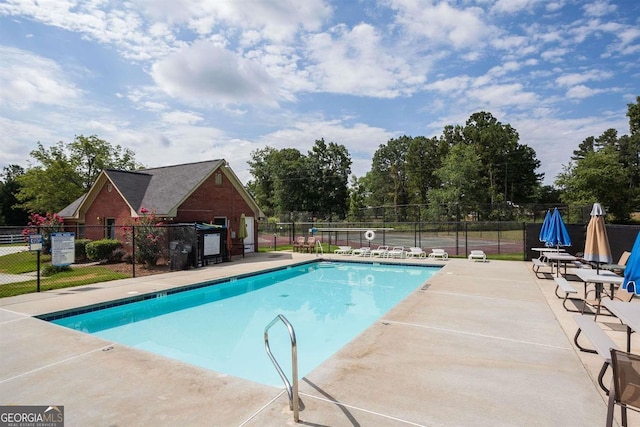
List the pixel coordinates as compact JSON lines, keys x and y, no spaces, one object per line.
{"x":142,"y":250}
{"x":183,"y":246}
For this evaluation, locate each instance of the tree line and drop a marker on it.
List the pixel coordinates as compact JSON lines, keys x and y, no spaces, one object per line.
{"x":479,"y":169}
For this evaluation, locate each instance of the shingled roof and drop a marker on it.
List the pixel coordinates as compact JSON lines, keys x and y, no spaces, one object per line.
{"x":161,"y":190}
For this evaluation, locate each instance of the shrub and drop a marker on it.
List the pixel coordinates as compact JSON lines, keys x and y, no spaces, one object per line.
{"x":99,"y":250}
{"x":44,"y":224}
{"x":148,"y":235}
{"x":81,"y":250}
{"x":50,"y":270}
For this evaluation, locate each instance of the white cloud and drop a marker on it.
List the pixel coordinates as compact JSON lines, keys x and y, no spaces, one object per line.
{"x":582,"y":91}
{"x":273,"y":20}
{"x":355,"y":62}
{"x":513,"y":6}
{"x":205,"y":74}
{"x":442,"y":23}
{"x":27,"y":79}
{"x":599,"y":8}
{"x":181,"y":117}
{"x":572,"y":79}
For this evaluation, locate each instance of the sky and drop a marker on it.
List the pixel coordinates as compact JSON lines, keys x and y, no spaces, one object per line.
{"x":180,"y":81}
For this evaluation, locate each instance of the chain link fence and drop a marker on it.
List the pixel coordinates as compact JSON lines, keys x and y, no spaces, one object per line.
{"x":457,"y":238}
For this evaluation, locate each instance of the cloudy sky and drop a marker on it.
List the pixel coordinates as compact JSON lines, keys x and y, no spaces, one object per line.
{"x":179,"y":81}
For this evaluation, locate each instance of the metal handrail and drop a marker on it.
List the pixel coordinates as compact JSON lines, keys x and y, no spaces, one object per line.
{"x":292,"y":391}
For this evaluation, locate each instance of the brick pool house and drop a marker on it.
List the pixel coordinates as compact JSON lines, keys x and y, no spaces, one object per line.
{"x":203,"y":192}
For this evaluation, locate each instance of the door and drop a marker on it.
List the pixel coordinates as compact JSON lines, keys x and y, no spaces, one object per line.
{"x":249,"y":243}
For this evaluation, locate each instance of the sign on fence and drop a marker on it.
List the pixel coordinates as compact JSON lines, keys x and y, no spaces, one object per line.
{"x":63,"y":249}
{"x":35,"y":242}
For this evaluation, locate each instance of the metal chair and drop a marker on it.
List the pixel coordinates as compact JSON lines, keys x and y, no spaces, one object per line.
{"x":596,"y":303}
{"x":625,"y":388}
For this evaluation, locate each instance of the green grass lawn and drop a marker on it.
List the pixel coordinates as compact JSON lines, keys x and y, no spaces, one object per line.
{"x":26,"y":262}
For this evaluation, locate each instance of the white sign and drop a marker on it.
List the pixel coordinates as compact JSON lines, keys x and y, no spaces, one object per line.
{"x":35,"y":242}
{"x":63,"y":249}
{"x":211,"y":244}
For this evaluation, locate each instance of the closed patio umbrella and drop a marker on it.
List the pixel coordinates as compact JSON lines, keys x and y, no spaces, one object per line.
{"x":596,"y":247}
{"x":242,"y":228}
{"x":545,"y":227}
{"x":557,"y":234}
{"x":632,"y":272}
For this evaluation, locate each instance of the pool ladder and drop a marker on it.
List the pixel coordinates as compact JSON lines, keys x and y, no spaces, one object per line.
{"x":292,"y":390}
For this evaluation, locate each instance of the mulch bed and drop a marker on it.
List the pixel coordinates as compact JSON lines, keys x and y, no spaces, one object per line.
{"x":126,"y":268}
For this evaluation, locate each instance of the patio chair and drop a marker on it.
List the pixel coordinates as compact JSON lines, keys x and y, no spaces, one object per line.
{"x":438,"y":253}
{"x":343,"y":250}
{"x":625,"y":389}
{"x":595,"y":303}
{"x":415,"y":252}
{"x":311,"y":243}
{"x":298,"y":244}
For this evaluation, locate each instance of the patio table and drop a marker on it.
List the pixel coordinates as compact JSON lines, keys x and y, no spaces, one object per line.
{"x":628,"y":313}
{"x":588,"y":275}
{"x":559,"y":257}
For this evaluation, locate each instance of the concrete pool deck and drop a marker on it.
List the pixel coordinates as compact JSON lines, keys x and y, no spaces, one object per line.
{"x":482,"y":344}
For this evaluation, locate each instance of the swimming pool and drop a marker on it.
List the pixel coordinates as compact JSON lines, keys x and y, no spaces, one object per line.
{"x":221,"y":326}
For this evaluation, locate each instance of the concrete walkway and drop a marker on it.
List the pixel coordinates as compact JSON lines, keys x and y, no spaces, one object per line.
{"x":481,"y":344}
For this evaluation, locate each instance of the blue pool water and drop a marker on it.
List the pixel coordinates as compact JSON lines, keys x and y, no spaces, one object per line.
{"x":221,"y":327}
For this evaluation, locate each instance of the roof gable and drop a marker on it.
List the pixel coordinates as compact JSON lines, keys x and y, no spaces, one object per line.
{"x":161,"y":190}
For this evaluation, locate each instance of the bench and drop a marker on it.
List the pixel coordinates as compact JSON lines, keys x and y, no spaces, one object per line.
{"x":562,"y":283}
{"x":602,"y":343}
{"x":537,"y":264}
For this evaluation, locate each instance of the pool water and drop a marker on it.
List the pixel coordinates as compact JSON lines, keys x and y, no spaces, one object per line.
{"x":221,"y":327}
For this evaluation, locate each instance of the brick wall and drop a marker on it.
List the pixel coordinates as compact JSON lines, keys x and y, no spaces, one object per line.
{"x":108,"y":204}
{"x":212,"y":200}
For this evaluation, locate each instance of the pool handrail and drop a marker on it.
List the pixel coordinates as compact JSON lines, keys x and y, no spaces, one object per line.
{"x":292,"y":390}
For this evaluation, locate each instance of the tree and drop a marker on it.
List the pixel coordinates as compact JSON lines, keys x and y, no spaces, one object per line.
{"x":597,"y":177}
{"x":606,"y":169}
{"x":263,"y":167}
{"x":461,"y":177}
{"x":10,"y":212}
{"x":357,"y":198}
{"x":508,"y":166}
{"x":64,"y":172}
{"x":329,"y":168}
{"x":389,"y":175}
{"x":423,"y":160}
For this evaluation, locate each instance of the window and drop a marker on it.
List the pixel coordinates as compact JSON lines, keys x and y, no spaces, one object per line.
{"x":218,"y":178}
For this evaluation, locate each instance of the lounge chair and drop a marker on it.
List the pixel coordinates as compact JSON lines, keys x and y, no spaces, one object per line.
{"x":396,"y":252}
{"x":299,"y":244}
{"x":364,"y":251}
{"x":438,"y":253}
{"x":415,"y":252}
{"x":381,"y":251}
{"x":343,"y":250}
{"x":478,"y":255}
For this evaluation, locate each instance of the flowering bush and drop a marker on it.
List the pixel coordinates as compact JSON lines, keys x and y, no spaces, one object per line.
{"x":146,"y":235}
{"x":45,"y":225}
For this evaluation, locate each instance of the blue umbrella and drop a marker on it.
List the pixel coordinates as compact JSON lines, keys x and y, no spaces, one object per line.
{"x":545,"y":227}
{"x":557,"y":234}
{"x":632,"y":272}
